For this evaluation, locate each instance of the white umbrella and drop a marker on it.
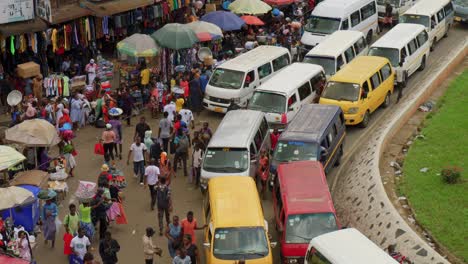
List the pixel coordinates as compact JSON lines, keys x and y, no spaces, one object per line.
{"x":33,"y":133}
{"x":13,"y":196}
{"x":9,"y":157}
{"x":205,"y":27}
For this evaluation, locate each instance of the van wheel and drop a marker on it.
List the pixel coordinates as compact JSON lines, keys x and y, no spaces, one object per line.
{"x":446,"y":32}
{"x":340,"y":154}
{"x":365,"y":121}
{"x":387,"y":101}
{"x":433,"y":44}
{"x":423,"y":64}
{"x":369,"y":37}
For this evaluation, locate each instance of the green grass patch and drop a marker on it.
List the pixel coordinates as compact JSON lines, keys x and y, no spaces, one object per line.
{"x":440,"y":207}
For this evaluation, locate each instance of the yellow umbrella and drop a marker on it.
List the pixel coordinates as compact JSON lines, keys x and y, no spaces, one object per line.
{"x":249,"y":7}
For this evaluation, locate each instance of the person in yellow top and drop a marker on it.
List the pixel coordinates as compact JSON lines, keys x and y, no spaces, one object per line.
{"x":145,"y":76}
{"x":179,"y":104}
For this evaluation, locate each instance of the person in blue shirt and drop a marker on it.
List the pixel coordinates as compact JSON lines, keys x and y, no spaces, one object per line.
{"x":49,"y":213}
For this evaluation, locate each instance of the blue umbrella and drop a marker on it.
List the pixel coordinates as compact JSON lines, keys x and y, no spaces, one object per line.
{"x":227,"y":21}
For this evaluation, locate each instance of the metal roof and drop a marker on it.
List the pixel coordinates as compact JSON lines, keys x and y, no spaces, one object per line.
{"x":254,"y":58}
{"x":399,"y":36}
{"x":336,"y":43}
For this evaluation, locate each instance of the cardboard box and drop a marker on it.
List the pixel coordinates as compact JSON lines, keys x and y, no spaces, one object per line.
{"x":28,"y":70}
{"x":210,"y":8}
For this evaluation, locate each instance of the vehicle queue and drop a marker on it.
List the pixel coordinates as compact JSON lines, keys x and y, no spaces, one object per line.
{"x":339,"y":83}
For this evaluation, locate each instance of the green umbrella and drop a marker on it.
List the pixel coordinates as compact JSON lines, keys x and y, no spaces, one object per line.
{"x":249,"y":7}
{"x":175,"y":36}
{"x":138,"y":45}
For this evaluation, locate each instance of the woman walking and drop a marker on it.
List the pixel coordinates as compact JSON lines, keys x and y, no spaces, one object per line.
{"x":24,"y":246}
{"x":49,"y":213}
{"x":173,"y":233}
{"x":117,"y":128}
{"x":85,"y":220}
{"x":108,"y":138}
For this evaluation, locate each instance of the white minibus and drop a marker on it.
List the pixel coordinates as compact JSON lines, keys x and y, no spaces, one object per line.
{"x":281,"y":96}
{"x":398,"y":8}
{"x":435,"y":15}
{"x":345,"y":246}
{"x":236,"y":145}
{"x":236,"y":79}
{"x":332,"y":15}
{"x":406,"y":46}
{"x":337,"y":50}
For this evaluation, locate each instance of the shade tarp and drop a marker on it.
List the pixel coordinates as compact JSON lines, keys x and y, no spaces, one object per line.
{"x":11,"y":197}
{"x":138,"y":45}
{"x":31,"y":177}
{"x":19,"y":28}
{"x":109,"y":8}
{"x":249,"y":7}
{"x":68,"y":12}
{"x":34,"y":133}
{"x":175,"y":36}
{"x":9,"y":157}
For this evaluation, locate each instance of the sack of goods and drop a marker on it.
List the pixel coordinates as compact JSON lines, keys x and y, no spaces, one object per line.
{"x":28,"y":70}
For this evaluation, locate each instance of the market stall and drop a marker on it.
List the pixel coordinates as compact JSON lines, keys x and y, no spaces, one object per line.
{"x":20,"y":204}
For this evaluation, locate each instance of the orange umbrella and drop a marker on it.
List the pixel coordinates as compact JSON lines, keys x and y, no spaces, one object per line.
{"x":278,"y":2}
{"x":252,"y":20}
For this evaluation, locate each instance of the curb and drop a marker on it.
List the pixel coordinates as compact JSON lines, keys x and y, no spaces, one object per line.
{"x":359,"y":195}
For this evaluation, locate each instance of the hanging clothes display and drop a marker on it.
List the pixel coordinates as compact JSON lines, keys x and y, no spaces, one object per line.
{"x":54,"y":85}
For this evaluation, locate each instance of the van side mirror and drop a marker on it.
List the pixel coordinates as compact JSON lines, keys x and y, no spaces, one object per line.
{"x":401,"y":62}
{"x":290,"y":108}
{"x":273,"y":244}
{"x":206,"y":245}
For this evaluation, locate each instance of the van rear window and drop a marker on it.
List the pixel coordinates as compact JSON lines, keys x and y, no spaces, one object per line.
{"x":301,"y":228}
{"x":287,"y":151}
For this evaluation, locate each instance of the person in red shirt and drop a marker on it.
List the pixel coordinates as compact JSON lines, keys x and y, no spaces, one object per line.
{"x":189,"y":225}
{"x":184,"y":84}
{"x":274,"y":137}
{"x":263,"y":171}
{"x":67,"y":238}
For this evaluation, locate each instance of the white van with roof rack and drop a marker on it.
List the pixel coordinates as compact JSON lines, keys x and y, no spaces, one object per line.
{"x":406,"y":46}
{"x":337,"y":50}
{"x":236,"y":79}
{"x":332,"y":15}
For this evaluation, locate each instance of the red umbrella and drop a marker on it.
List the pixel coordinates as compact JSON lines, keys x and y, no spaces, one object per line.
{"x":252,"y":20}
{"x":278,"y":2}
{"x":205,"y":36}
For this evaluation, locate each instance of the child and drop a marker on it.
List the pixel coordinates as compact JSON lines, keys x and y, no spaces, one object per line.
{"x":263,"y":170}
{"x":72,"y":221}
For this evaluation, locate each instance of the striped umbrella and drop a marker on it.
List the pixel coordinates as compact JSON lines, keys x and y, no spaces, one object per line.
{"x":138,"y":45}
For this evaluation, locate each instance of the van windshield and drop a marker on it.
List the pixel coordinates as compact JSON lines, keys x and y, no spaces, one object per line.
{"x":327,"y":63}
{"x":287,"y":151}
{"x":268,"y":102}
{"x":226,"y":160}
{"x":301,"y":228}
{"x":241,"y":242}
{"x":415,"y":19}
{"x":342,"y":91}
{"x":322,"y":25}
{"x":228,"y":79}
{"x":394,"y":3}
{"x":393,"y":55}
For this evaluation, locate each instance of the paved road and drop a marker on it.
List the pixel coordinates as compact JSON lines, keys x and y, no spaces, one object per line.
{"x":186,"y":197}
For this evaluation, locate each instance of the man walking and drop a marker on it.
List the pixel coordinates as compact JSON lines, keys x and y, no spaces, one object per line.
{"x":181,"y":143}
{"x":80,"y":244}
{"x":151,"y":179}
{"x":108,"y":248}
{"x":141,"y":128}
{"x":165,"y":131}
{"x":139,"y":150}
{"x":163,"y":196}
{"x":148,"y":248}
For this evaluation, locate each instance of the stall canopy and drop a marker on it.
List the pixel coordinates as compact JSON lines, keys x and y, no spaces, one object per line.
{"x":9,"y":157}
{"x":175,"y":36}
{"x":31,"y":177}
{"x":14,"y":196}
{"x":249,"y":7}
{"x":33,"y":133}
{"x":18,"y":28}
{"x":109,"y":8}
{"x":138,"y":45}
{"x":67,"y":13}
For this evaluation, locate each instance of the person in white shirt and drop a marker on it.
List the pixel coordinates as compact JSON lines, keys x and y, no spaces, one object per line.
{"x":197,"y":157}
{"x":138,"y":150}
{"x":170,"y":108}
{"x":181,"y":257}
{"x":151,"y":179}
{"x":187,"y":117}
{"x":80,"y":244}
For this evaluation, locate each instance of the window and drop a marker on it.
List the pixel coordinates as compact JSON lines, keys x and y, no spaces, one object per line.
{"x":448,"y":9}
{"x":249,"y":78}
{"x":422,"y":38}
{"x":412,"y":46}
{"x":331,"y":136}
{"x":314,"y":257}
{"x":386,"y":71}
{"x":355,"y":18}
{"x":367,"y":11}
{"x":264,"y":127}
{"x":440,"y":15}
{"x":365,"y":87}
{"x":403,"y":54}
{"x":264,"y":70}
{"x":304,"y":91}
{"x":258,"y":140}
{"x":375,"y":80}
{"x":292,"y":100}
{"x":342,"y":120}
{"x":339,"y":62}
{"x":349,"y":54}
{"x":361,"y":44}
{"x":318,"y":82}
{"x":345,"y":24}
{"x":253,"y":152}
{"x":433,"y":21}
{"x":280,"y":62}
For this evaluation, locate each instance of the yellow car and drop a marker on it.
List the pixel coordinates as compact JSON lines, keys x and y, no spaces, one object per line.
{"x":360,"y":87}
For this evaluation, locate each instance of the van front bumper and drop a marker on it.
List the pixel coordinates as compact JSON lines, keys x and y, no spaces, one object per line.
{"x":353,"y":119}
{"x":215,"y":107}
